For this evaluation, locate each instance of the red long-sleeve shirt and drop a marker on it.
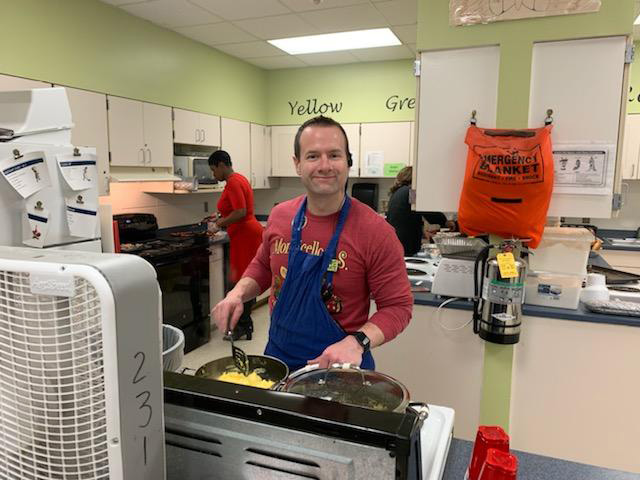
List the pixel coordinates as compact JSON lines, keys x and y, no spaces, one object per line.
{"x":370,"y":264}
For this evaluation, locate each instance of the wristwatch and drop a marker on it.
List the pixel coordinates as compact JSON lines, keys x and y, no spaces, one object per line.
{"x":363,"y":340}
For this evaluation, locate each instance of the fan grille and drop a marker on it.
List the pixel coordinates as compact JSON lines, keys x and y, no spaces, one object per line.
{"x":52,"y":384}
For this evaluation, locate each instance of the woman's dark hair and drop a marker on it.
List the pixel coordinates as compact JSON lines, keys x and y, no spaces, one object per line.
{"x":403,"y":178}
{"x":321,"y":121}
{"x":219,"y":156}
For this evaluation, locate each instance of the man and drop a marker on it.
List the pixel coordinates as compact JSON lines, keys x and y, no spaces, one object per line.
{"x":324,"y":255}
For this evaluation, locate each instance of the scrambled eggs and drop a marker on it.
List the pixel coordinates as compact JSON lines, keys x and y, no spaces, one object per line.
{"x":252,"y":380}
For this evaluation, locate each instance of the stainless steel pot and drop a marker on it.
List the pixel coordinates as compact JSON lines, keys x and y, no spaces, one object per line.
{"x":348,"y":384}
{"x":269,"y":368}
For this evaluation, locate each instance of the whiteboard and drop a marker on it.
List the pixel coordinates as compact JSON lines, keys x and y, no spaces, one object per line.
{"x":581,"y":81}
{"x":452,"y":84}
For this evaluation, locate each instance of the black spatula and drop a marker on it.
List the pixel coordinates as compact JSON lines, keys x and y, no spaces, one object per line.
{"x":240,"y":358}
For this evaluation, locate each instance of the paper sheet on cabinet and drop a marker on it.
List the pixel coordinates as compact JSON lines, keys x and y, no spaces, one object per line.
{"x":583,"y":169}
{"x":79,"y":172}
{"x":38,"y":219}
{"x":373,"y":164}
{"x":27,"y":174}
{"x":82,"y":215}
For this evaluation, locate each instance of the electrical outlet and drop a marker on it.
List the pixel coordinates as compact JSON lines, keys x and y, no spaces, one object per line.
{"x":206,"y":207}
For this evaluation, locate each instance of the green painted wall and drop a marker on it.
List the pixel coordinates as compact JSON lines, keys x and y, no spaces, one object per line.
{"x":92,"y":45}
{"x":633,"y":104}
{"x":516,"y":39}
{"x":361,"y":90}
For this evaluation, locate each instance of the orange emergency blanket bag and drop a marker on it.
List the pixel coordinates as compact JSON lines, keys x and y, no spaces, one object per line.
{"x":507,"y":183}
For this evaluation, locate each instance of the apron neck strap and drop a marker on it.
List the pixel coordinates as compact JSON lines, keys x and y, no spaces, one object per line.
{"x":299,"y":222}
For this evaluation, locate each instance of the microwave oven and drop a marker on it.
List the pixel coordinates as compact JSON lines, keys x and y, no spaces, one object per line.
{"x":188,"y":167}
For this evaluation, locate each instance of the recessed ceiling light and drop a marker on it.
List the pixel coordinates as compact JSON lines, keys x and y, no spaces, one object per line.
{"x":333,"y":42}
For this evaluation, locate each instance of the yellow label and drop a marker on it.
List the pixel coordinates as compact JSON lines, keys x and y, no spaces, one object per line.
{"x":333,"y":266}
{"x":507,"y":265}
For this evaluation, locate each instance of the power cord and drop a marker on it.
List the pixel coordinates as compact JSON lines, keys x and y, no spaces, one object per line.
{"x":437,"y":315}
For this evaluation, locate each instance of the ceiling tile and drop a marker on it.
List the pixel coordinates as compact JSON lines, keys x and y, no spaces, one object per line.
{"x":172,"y":13}
{"x":412,"y":47}
{"x":406,"y":33}
{"x":239,"y":9}
{"x":250,"y":49}
{"x":281,"y":26}
{"x":356,"y":17}
{"x":399,"y":12}
{"x":272,"y":63}
{"x":307,"y":5}
{"x":383,"y":53}
{"x":216,"y":33}
{"x":328,"y":58}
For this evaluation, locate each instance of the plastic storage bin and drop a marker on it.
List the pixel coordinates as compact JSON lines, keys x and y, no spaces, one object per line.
{"x":172,"y":348}
{"x":550,"y":289}
{"x":562,"y":250}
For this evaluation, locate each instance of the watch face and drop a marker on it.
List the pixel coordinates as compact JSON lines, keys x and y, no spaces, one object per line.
{"x":363,"y":340}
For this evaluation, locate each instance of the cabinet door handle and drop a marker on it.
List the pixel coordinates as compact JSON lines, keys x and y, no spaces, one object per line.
{"x":204,"y":134}
{"x":197,"y":135}
{"x":149,"y":150}
{"x":143,"y":157}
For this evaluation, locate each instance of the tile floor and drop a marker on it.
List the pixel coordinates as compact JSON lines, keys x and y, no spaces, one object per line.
{"x":217,"y":348}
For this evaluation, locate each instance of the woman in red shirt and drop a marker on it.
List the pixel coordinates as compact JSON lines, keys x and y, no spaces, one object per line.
{"x":245,"y":232}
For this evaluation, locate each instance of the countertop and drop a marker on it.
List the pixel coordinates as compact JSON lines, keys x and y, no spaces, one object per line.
{"x":579,"y":315}
{"x":532,"y":467}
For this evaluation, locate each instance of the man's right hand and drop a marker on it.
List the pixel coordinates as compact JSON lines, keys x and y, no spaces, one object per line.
{"x":229,"y":308}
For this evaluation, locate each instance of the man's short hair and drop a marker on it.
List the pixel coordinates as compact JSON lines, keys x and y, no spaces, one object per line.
{"x":321,"y":121}
{"x":219,"y":156}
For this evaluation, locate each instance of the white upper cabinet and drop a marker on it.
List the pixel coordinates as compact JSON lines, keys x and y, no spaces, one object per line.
{"x":139,"y":133}
{"x":412,"y":144}
{"x":89,"y":113}
{"x":8,"y":83}
{"x":196,"y":128}
{"x":210,"y":129}
{"x":260,"y":156}
{"x":236,"y":141}
{"x":353,"y":135}
{"x":157,"y":135}
{"x":282,"y":137}
{"x":186,"y":126}
{"x":631,"y":148}
{"x":384,"y":147}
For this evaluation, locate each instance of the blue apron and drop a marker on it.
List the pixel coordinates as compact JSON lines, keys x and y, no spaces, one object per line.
{"x":301,"y":327}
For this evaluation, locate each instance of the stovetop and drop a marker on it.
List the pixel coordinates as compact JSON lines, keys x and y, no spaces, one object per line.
{"x":156,"y":247}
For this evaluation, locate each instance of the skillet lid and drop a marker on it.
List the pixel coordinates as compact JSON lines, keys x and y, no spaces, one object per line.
{"x":349,"y":385}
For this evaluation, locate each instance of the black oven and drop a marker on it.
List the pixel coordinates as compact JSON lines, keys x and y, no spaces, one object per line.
{"x":184,"y":282}
{"x":182,"y":269}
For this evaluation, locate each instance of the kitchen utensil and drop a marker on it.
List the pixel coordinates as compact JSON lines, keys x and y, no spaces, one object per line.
{"x":240,"y":358}
{"x":268,"y":368}
{"x":348,"y":384}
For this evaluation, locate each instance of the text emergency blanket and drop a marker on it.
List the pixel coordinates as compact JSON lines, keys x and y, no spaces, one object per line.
{"x":507,"y":183}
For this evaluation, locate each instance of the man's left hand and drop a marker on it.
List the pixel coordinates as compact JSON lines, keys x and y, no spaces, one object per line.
{"x":347,"y":350}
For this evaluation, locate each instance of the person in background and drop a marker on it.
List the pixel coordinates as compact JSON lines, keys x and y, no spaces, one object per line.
{"x":324,"y":255}
{"x":407,"y":223}
{"x":235,"y":207}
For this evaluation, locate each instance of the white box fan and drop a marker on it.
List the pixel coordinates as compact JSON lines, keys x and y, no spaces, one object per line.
{"x":80,"y":367}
